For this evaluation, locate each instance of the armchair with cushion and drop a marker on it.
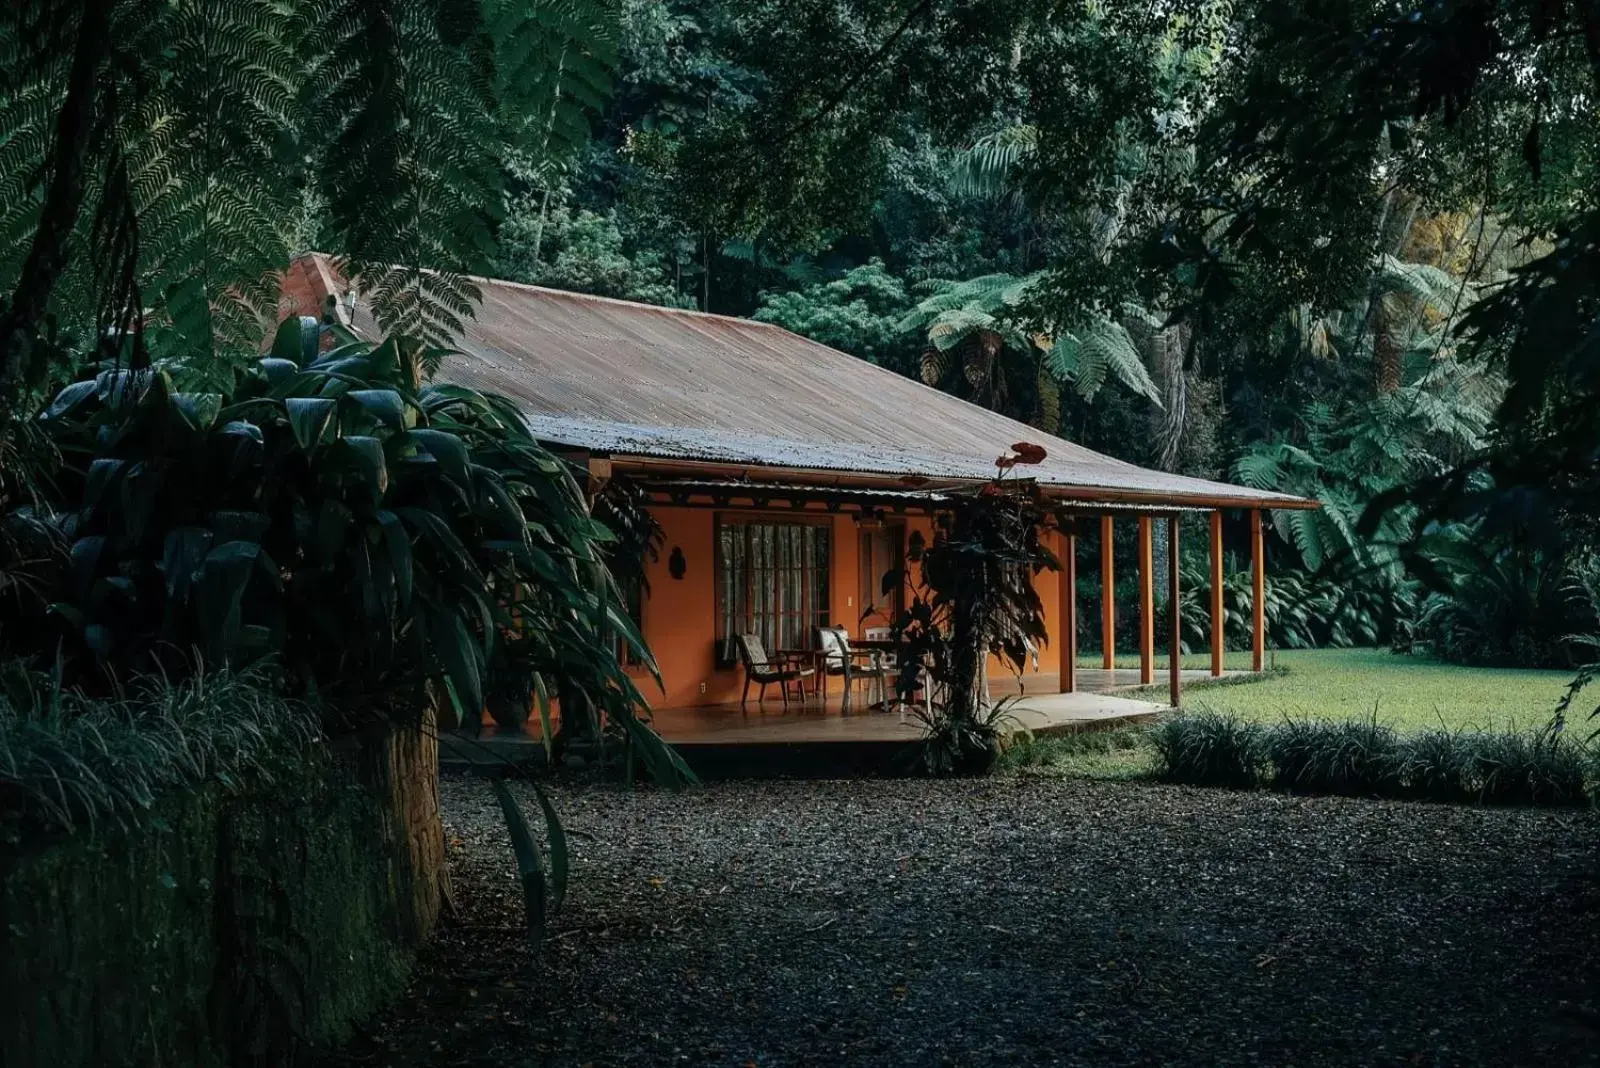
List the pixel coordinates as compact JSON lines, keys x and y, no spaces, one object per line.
{"x":764,"y":669}
{"x":837,"y":658}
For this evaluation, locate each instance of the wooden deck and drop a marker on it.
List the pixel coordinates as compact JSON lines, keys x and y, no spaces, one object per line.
{"x":827,"y":736}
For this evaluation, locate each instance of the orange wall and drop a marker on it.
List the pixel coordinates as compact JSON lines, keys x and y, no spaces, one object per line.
{"x":680,"y":614}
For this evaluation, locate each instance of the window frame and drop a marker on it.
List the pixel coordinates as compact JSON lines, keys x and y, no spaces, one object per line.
{"x":724,"y":653}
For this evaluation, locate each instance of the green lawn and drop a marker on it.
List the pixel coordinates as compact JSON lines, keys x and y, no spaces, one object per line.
{"x":1406,"y":691}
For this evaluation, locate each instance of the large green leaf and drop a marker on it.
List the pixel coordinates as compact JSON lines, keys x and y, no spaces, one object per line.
{"x":308,"y":418}
{"x":460,"y":656}
{"x":398,"y":544}
{"x":384,"y":405}
{"x":368,"y":452}
{"x":529,"y":868}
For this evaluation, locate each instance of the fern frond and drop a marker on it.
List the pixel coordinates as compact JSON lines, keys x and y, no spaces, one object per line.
{"x":986,"y":168}
{"x":1099,"y":349}
{"x":1420,"y":281}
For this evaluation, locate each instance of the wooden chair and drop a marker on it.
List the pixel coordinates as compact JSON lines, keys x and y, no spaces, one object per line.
{"x":837,"y":658}
{"x":892,"y":669}
{"x":763,"y":669}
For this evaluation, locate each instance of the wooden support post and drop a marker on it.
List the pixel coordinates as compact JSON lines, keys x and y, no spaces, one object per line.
{"x":1068,"y":609}
{"x":1258,"y":593}
{"x":1175,"y":651}
{"x":1147,"y":602}
{"x":1218,"y":632}
{"x":1108,"y":598}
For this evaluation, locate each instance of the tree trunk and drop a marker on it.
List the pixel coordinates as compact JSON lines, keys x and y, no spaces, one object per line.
{"x":1174,"y":356}
{"x":1388,"y":362}
{"x":63,"y":203}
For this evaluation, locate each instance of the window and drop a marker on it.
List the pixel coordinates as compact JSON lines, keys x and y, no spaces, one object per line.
{"x":880,"y":550}
{"x":772,"y":581}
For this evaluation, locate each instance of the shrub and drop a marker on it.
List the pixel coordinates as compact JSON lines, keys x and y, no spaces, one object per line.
{"x":1510,"y":768}
{"x":67,"y":760}
{"x":384,"y":539}
{"x":1360,"y":757}
{"x":1208,"y":749}
{"x":1436,"y":766}
{"x":1368,"y":758}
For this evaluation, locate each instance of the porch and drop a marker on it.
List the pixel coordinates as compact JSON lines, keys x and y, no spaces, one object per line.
{"x":1038,"y":707}
{"x":823,"y":738}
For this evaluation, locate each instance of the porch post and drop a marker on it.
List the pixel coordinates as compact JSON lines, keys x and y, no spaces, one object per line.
{"x":1258,"y":593}
{"x":1175,"y":652}
{"x":1067,"y":612}
{"x":1147,"y":602}
{"x":1217,"y":632}
{"x":1108,"y":598}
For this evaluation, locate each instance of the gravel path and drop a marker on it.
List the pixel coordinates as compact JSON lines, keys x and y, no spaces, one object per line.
{"x":1015,"y":922}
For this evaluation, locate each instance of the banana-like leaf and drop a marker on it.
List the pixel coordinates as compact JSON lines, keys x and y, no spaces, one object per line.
{"x":368,"y":452}
{"x":398,"y":543}
{"x":308,"y":418}
{"x":560,"y":857}
{"x":529,"y":867}
{"x":385,"y":405}
{"x":450,"y":453}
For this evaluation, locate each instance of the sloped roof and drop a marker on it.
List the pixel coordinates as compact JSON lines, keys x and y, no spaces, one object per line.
{"x":634,"y":380}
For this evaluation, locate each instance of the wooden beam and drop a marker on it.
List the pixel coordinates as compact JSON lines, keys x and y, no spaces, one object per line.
{"x":1258,"y":593}
{"x":599,"y":475}
{"x":1175,"y":650}
{"x":1147,"y":602}
{"x":1218,"y":635}
{"x":1108,"y":598}
{"x":1068,"y":609}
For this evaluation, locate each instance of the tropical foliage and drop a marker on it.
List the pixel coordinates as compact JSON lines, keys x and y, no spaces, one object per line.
{"x":373,"y":533}
{"x":161,"y":157}
{"x":173,"y":504}
{"x":970,"y":596}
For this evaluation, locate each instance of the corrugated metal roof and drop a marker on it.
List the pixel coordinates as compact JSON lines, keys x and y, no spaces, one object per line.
{"x":637,"y":380}
{"x":745,"y":488}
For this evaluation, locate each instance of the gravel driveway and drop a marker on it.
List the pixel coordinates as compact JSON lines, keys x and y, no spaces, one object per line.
{"x":1015,"y":921}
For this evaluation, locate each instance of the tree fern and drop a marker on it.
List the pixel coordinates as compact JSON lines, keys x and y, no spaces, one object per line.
{"x":212,"y":215}
{"x":1098,"y":350}
{"x":1086,"y":357}
{"x":195,"y":127}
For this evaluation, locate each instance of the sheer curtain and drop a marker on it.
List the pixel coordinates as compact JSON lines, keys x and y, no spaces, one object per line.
{"x":773,"y":583}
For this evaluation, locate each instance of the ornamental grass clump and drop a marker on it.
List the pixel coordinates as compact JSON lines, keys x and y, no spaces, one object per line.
{"x":1436,"y":765}
{"x":1359,"y":758}
{"x":1209,"y":749}
{"x":69,"y":761}
{"x":1543,"y":768}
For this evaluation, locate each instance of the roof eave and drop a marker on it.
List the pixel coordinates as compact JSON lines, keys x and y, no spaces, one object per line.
{"x":1154,"y":501}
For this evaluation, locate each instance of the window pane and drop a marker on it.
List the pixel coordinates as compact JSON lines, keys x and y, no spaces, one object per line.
{"x":773,"y":583}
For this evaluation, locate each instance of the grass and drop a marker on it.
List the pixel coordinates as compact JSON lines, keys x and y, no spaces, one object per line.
{"x":1111,"y":755}
{"x":1408,"y":693}
{"x":1428,"y":702}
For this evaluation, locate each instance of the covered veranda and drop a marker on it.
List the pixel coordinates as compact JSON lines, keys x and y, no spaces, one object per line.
{"x":1070,"y":517}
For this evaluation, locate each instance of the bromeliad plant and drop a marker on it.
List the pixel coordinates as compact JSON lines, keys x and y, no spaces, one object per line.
{"x":382,"y":539}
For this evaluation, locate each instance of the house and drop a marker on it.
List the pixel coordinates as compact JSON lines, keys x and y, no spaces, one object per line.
{"x":788,"y":476}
